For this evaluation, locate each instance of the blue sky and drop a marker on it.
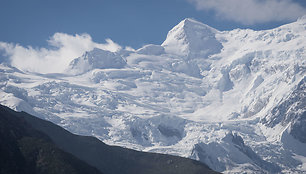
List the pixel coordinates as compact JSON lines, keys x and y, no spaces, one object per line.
{"x":134,"y":22}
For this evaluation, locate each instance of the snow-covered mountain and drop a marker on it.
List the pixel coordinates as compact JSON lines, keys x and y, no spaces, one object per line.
{"x":234,"y":100}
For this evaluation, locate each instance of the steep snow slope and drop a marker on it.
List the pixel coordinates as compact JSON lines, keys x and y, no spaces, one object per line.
{"x":234,"y":100}
{"x":191,"y":39}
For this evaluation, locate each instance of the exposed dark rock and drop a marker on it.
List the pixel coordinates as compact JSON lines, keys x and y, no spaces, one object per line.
{"x":291,"y":110}
{"x":239,"y":144}
{"x":169,"y":132}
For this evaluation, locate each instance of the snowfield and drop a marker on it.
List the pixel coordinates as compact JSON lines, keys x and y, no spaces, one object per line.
{"x":234,"y":100}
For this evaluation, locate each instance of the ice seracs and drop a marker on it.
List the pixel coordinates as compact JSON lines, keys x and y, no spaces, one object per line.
{"x":192,"y":39}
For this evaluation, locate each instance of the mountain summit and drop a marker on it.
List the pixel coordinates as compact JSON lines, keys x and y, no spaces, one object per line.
{"x":192,"y":39}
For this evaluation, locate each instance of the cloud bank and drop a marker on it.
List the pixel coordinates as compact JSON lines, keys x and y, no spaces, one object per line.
{"x":64,"y":48}
{"x":251,"y":12}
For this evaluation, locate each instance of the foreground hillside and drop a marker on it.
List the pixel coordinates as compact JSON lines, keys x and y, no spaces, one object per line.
{"x":32,"y":145}
{"x":29,"y":151}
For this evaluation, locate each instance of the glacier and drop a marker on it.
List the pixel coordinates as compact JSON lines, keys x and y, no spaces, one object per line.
{"x":234,"y":100}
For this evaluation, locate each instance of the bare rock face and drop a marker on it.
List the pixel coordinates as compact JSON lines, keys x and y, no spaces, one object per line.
{"x":291,"y":111}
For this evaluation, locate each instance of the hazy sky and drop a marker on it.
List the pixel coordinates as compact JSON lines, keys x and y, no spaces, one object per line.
{"x":134,"y":22}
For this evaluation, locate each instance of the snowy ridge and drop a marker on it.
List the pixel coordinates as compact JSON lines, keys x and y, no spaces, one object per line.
{"x":234,"y":100}
{"x":96,"y":59}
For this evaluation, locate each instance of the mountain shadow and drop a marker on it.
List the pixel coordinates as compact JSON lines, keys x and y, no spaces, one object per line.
{"x":31,"y":145}
{"x":24,"y":150}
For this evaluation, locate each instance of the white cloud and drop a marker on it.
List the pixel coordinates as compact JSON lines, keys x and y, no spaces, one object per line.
{"x":252,"y":11}
{"x":53,"y":60}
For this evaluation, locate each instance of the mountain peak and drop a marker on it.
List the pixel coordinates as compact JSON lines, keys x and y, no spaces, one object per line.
{"x":97,"y":58}
{"x":190,"y":22}
{"x":191,"y":38}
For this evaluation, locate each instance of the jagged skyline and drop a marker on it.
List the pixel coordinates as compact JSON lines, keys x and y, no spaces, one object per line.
{"x":134,"y":23}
